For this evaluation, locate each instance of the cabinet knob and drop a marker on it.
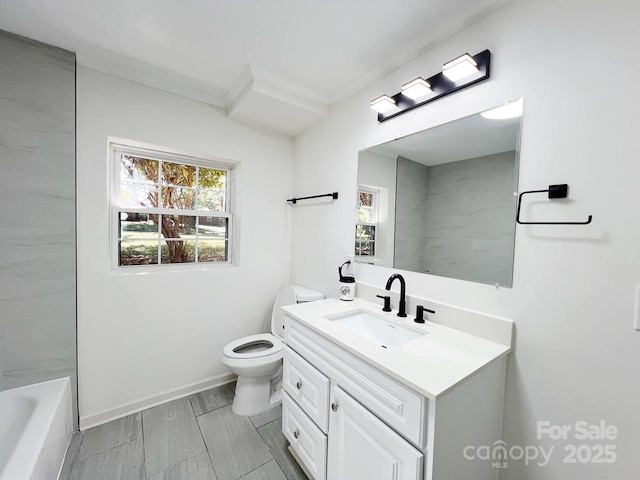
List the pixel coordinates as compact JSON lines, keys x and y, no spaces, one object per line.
{"x":296,"y":433}
{"x":334,"y":406}
{"x":298,"y":384}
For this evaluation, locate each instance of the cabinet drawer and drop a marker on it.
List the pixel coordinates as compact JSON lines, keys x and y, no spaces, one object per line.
{"x":306,"y":439}
{"x":395,"y":404}
{"x":307,"y":386}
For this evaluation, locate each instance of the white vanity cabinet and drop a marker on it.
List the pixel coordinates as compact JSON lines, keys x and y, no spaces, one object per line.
{"x":346,"y":419}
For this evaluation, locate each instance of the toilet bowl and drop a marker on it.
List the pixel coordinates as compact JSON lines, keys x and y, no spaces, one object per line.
{"x":257,"y":359}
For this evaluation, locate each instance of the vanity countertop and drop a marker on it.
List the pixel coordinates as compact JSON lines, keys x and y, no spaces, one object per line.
{"x":431,"y":364}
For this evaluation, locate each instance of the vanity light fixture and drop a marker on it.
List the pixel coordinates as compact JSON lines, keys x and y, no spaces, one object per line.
{"x":459,"y":73}
{"x":383,"y":104}
{"x":460,"y":67}
{"x":508,"y":110}
{"x":416,"y":88}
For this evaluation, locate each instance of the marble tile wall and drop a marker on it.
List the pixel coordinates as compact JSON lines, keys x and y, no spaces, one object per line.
{"x":37,"y":212}
{"x":470,"y":212}
{"x":411,"y":222}
{"x":457,"y":219}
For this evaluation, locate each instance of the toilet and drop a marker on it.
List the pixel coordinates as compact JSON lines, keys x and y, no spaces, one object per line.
{"x":257,"y":359}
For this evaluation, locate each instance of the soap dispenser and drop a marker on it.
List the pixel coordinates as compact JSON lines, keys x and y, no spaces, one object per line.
{"x":347,"y":284}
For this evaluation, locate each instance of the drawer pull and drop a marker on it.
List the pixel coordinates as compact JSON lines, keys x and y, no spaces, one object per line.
{"x":296,"y":433}
{"x":334,"y":406}
{"x":298,"y":384}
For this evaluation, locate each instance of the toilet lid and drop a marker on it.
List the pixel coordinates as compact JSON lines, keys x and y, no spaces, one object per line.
{"x":287,"y":296}
{"x":253,"y":346}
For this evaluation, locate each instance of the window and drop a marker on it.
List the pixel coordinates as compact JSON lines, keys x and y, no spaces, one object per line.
{"x":366,"y":222}
{"x":170,"y":209}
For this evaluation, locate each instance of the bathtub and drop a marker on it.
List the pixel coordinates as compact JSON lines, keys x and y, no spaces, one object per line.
{"x":35,"y":429}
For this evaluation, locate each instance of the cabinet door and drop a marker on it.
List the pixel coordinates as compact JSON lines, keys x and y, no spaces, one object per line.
{"x":362,"y":447}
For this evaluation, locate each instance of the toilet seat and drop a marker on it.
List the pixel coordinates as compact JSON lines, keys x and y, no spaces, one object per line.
{"x":254,"y":346}
{"x":264,"y":344}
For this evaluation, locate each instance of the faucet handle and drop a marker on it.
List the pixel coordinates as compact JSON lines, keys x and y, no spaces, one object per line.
{"x":420,"y":313}
{"x":387,"y":302}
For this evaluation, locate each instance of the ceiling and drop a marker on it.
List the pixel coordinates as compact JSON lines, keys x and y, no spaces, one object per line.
{"x":279,"y":64}
{"x":442,"y":144}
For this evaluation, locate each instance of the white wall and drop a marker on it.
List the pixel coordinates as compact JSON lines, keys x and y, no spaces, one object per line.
{"x":573,"y":293}
{"x":146,"y":338}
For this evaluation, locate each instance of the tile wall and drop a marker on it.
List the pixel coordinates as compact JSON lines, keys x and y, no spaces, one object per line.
{"x":37,"y":213}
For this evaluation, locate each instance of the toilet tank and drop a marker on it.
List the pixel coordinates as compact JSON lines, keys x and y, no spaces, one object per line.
{"x":290,"y":295}
{"x":306,"y":294}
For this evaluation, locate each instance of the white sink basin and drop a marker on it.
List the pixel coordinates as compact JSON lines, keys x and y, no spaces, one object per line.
{"x":374,"y":328}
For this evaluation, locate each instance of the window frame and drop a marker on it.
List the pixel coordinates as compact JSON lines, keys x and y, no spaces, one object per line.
{"x":160,"y":154}
{"x":375,"y":210}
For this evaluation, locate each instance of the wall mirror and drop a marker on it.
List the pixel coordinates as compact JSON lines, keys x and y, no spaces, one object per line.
{"x":441,"y":201}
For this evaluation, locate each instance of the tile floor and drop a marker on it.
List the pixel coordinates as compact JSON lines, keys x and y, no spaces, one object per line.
{"x":194,"y":438}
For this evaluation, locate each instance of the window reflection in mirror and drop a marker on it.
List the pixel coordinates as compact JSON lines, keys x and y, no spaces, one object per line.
{"x":443,"y":199}
{"x":366,"y":222}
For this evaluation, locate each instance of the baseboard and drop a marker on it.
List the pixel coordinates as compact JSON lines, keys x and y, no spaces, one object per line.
{"x":123,"y":410}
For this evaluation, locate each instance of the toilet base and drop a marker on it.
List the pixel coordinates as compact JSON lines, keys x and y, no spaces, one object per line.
{"x":254,"y":395}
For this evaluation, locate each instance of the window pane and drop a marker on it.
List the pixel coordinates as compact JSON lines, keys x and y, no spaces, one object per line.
{"x":211,"y":200}
{"x":178,"y":174}
{"x":178,"y":251}
{"x":178,"y":197}
{"x":365,"y":240}
{"x":366,"y":199}
{"x":366,"y":215}
{"x":136,"y":195}
{"x":138,"y":252}
{"x":365,"y":232}
{"x":212,"y":239}
{"x":365,"y":248}
{"x":212,"y":228}
{"x":137,"y":168}
{"x":138,"y":225}
{"x":212,"y":251}
{"x":366,"y":207}
{"x":178,"y":226}
{"x":209,"y":178}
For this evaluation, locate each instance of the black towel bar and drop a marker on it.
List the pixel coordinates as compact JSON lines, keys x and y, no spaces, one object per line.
{"x":555,"y":191}
{"x":334,"y":195}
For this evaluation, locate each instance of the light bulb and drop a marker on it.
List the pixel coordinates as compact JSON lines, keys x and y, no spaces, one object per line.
{"x":416,"y":88}
{"x":383,"y":104}
{"x":460,"y":67}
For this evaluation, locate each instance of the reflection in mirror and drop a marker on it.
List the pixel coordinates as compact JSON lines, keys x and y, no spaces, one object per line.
{"x":441,"y":201}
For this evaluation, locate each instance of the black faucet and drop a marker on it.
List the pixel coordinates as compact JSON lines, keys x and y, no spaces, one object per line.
{"x":402,"y":308}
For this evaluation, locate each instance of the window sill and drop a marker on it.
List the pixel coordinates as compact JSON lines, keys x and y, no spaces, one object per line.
{"x":168,"y":268}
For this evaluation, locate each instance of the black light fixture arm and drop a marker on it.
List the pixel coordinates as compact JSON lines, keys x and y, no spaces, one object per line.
{"x":554,"y":191}
{"x":334,"y":195}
